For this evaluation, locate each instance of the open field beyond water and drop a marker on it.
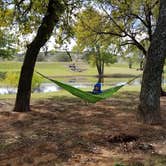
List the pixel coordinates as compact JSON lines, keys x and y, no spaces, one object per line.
{"x":61,"y":68}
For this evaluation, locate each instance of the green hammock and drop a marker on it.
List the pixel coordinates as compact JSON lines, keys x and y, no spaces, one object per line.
{"x":88,"y":96}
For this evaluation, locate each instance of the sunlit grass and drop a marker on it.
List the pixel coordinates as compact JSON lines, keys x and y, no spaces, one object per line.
{"x":62,"y":69}
{"x":10,"y":66}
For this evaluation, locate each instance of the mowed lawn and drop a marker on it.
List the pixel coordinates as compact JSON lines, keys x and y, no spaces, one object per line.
{"x":117,"y":73}
{"x":62,"y":68}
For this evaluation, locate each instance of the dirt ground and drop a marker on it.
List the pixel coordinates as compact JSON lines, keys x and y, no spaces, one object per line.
{"x":68,"y":132}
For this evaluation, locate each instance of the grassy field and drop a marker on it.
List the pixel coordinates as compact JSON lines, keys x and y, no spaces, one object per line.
{"x":117,"y":72}
{"x":62,"y":69}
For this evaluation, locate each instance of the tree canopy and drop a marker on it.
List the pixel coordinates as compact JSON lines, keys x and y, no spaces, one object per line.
{"x":7,"y":44}
{"x":133,"y":22}
{"x":98,"y":47}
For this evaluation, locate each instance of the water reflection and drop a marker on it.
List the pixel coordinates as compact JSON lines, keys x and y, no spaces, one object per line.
{"x":46,"y":87}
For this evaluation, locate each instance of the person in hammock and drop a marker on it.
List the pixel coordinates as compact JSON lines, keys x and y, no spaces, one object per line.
{"x":97,"y":88}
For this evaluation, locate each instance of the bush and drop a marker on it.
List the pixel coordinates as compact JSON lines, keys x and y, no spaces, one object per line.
{"x":2,"y":75}
{"x":36,"y":81}
{"x":12,"y":78}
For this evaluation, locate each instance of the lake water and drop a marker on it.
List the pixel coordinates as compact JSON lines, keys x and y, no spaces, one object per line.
{"x":82,"y":82}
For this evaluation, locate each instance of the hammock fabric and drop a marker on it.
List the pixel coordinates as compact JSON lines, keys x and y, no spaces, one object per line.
{"x":88,"y":96}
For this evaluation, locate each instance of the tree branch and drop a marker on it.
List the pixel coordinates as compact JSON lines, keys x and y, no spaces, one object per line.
{"x":111,"y":33}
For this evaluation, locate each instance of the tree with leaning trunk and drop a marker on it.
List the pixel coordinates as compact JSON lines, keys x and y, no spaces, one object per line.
{"x":149,"y":107}
{"x":54,"y":10}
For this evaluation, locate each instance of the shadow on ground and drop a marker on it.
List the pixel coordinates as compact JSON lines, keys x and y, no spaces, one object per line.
{"x":68,"y":132}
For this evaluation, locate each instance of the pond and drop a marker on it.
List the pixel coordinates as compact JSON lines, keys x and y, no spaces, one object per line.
{"x":7,"y":90}
{"x":78,"y":82}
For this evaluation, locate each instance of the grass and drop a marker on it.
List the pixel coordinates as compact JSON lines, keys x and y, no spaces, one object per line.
{"x":6,"y":66}
{"x":120,"y":73}
{"x":63,"y":93}
{"x":62,"y":69}
{"x":65,"y":131}
{"x":70,"y":124}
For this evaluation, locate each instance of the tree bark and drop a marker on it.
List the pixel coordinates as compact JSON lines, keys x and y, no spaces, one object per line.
{"x":51,"y":18}
{"x":149,"y":107}
{"x":142,"y":64}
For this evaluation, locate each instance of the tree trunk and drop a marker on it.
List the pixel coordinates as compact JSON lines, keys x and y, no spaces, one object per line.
{"x":142,"y":64}
{"x":149,"y":107}
{"x":101,"y":77}
{"x":54,"y":11}
{"x":162,"y":92}
{"x":100,"y":69}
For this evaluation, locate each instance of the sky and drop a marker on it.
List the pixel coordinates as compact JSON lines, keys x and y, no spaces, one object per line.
{"x":50,"y":43}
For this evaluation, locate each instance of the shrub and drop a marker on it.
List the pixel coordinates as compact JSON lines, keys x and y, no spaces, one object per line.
{"x":12,"y":78}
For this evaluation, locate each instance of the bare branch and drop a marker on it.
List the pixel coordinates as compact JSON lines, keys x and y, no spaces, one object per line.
{"x":138,"y":17}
